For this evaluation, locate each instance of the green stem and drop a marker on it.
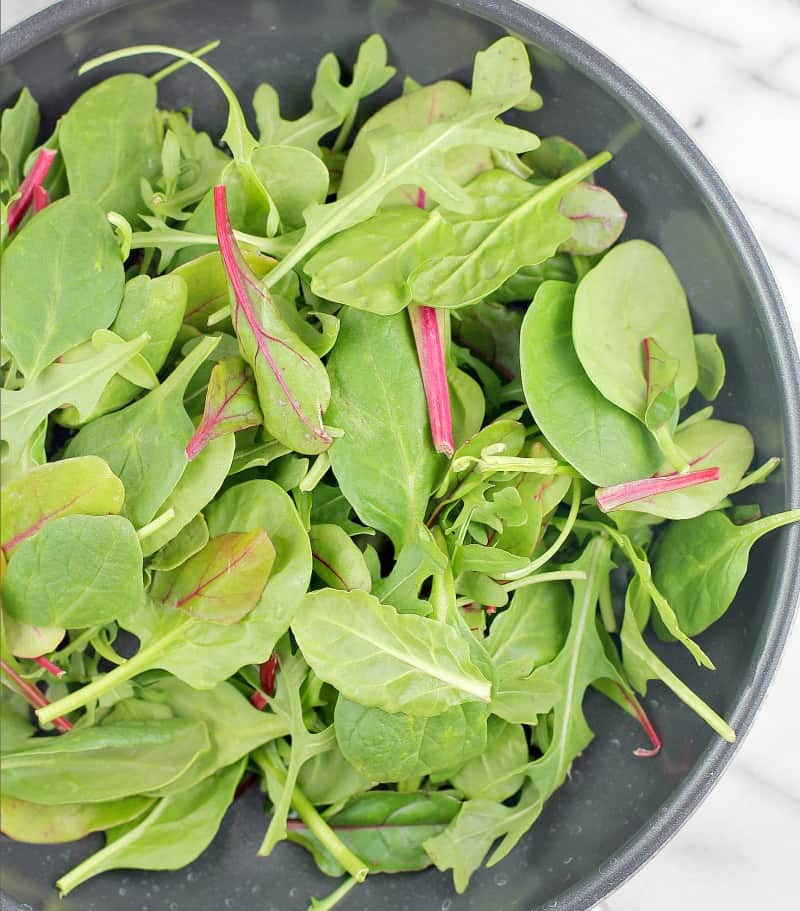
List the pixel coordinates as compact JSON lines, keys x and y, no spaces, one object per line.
{"x":159,"y":522}
{"x":561,"y":575}
{"x":143,"y":660}
{"x":554,"y":548}
{"x":345,"y":129}
{"x":582,"y":265}
{"x":335,"y":897}
{"x":759,"y":475}
{"x":769,"y":523}
{"x":179,"y":64}
{"x":316,"y":824}
{"x":670,"y":449}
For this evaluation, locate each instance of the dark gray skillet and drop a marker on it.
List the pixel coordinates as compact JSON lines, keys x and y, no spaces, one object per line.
{"x":616,"y":811}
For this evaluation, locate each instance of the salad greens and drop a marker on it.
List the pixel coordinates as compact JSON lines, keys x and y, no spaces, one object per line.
{"x":349,"y":459}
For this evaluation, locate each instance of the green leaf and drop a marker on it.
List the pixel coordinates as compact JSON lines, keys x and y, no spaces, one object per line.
{"x":294,"y":178}
{"x":85,"y":485}
{"x":104,"y":763}
{"x":642,"y":664}
{"x":397,"y":662}
{"x":39,"y":824}
{"x":368,"y":266}
{"x":554,"y":157}
{"x":293,"y":387}
{"x":466,"y":841}
{"x":633,"y":294}
{"x":419,"y":559}
{"x":207,"y":653}
{"x":419,"y":157}
{"x":499,"y":772}
{"x":710,"y":366}
{"x":144,"y":443}
{"x":510,"y":225}
{"x":698,"y":564}
{"x":14,"y":716}
{"x":386,"y":829}
{"x":707,"y":444}
{"x":328,"y":778}
{"x":26,"y":641}
{"x":231,"y":405}
{"x":597,"y":219}
{"x":54,"y":301}
{"x":385,"y":463}
{"x":605,"y":444}
{"x":207,"y":283}
{"x":661,"y":371}
{"x":176,"y":831}
{"x":386,"y":746}
{"x":337,"y":559}
{"x":222,"y":582}
{"x":75,"y":571}
{"x":110,"y":139}
{"x":197,"y":486}
{"x":235,"y":728}
{"x":19,"y":127}
{"x":331,"y":102}
{"x":491,"y":332}
{"x":189,"y":540}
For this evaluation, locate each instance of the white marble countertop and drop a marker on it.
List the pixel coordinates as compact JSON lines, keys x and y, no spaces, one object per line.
{"x":730,"y":73}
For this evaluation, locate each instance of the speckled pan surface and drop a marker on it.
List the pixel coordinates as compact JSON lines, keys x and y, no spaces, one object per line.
{"x":616,"y":810}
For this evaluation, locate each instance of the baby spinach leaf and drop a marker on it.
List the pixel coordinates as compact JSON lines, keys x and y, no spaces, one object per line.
{"x":19,"y":127}
{"x":710,"y":366}
{"x":386,"y":746}
{"x":710,"y":443}
{"x":75,"y":571}
{"x":328,"y":778}
{"x":103,"y":763}
{"x":53,"y":302}
{"x":554,"y":157}
{"x":189,"y":540}
{"x":231,"y":405}
{"x":524,"y":285}
{"x":597,"y":219}
{"x":499,"y":771}
{"x":293,"y":387}
{"x":14,"y":716}
{"x":110,"y":140}
{"x":176,"y":831}
{"x":385,"y":464}
{"x":368,"y":266}
{"x":642,"y":664}
{"x":633,"y":294}
{"x":699,"y":563}
{"x":467,"y":840}
{"x":235,"y":728}
{"x":337,"y":559}
{"x":201,"y":480}
{"x":222,"y":582}
{"x":27,"y":641}
{"x":151,"y":305}
{"x":511,"y":224}
{"x":386,"y":829}
{"x":39,"y":824}
{"x":144,"y":443}
{"x":397,"y":662}
{"x":604,"y":443}
{"x":85,"y":485}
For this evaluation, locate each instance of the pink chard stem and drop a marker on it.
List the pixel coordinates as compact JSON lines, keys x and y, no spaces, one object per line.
{"x":619,"y":495}
{"x":41,"y":199}
{"x":51,"y":668}
{"x":36,"y":177}
{"x":647,"y":726}
{"x":428,"y":326}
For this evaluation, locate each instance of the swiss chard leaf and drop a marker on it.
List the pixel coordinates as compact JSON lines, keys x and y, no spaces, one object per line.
{"x":338,"y":561}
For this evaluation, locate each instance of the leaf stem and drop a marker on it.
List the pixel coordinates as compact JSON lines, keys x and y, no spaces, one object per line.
{"x":159,"y":522}
{"x":35,"y":178}
{"x":330,"y":901}
{"x":141,"y":661}
{"x":561,"y":575}
{"x":180,"y":64}
{"x":34,"y":697}
{"x":427,"y":324}
{"x":610,"y":498}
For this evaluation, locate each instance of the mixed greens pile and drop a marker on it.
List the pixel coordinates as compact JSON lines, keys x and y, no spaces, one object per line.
{"x":349,"y":470}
